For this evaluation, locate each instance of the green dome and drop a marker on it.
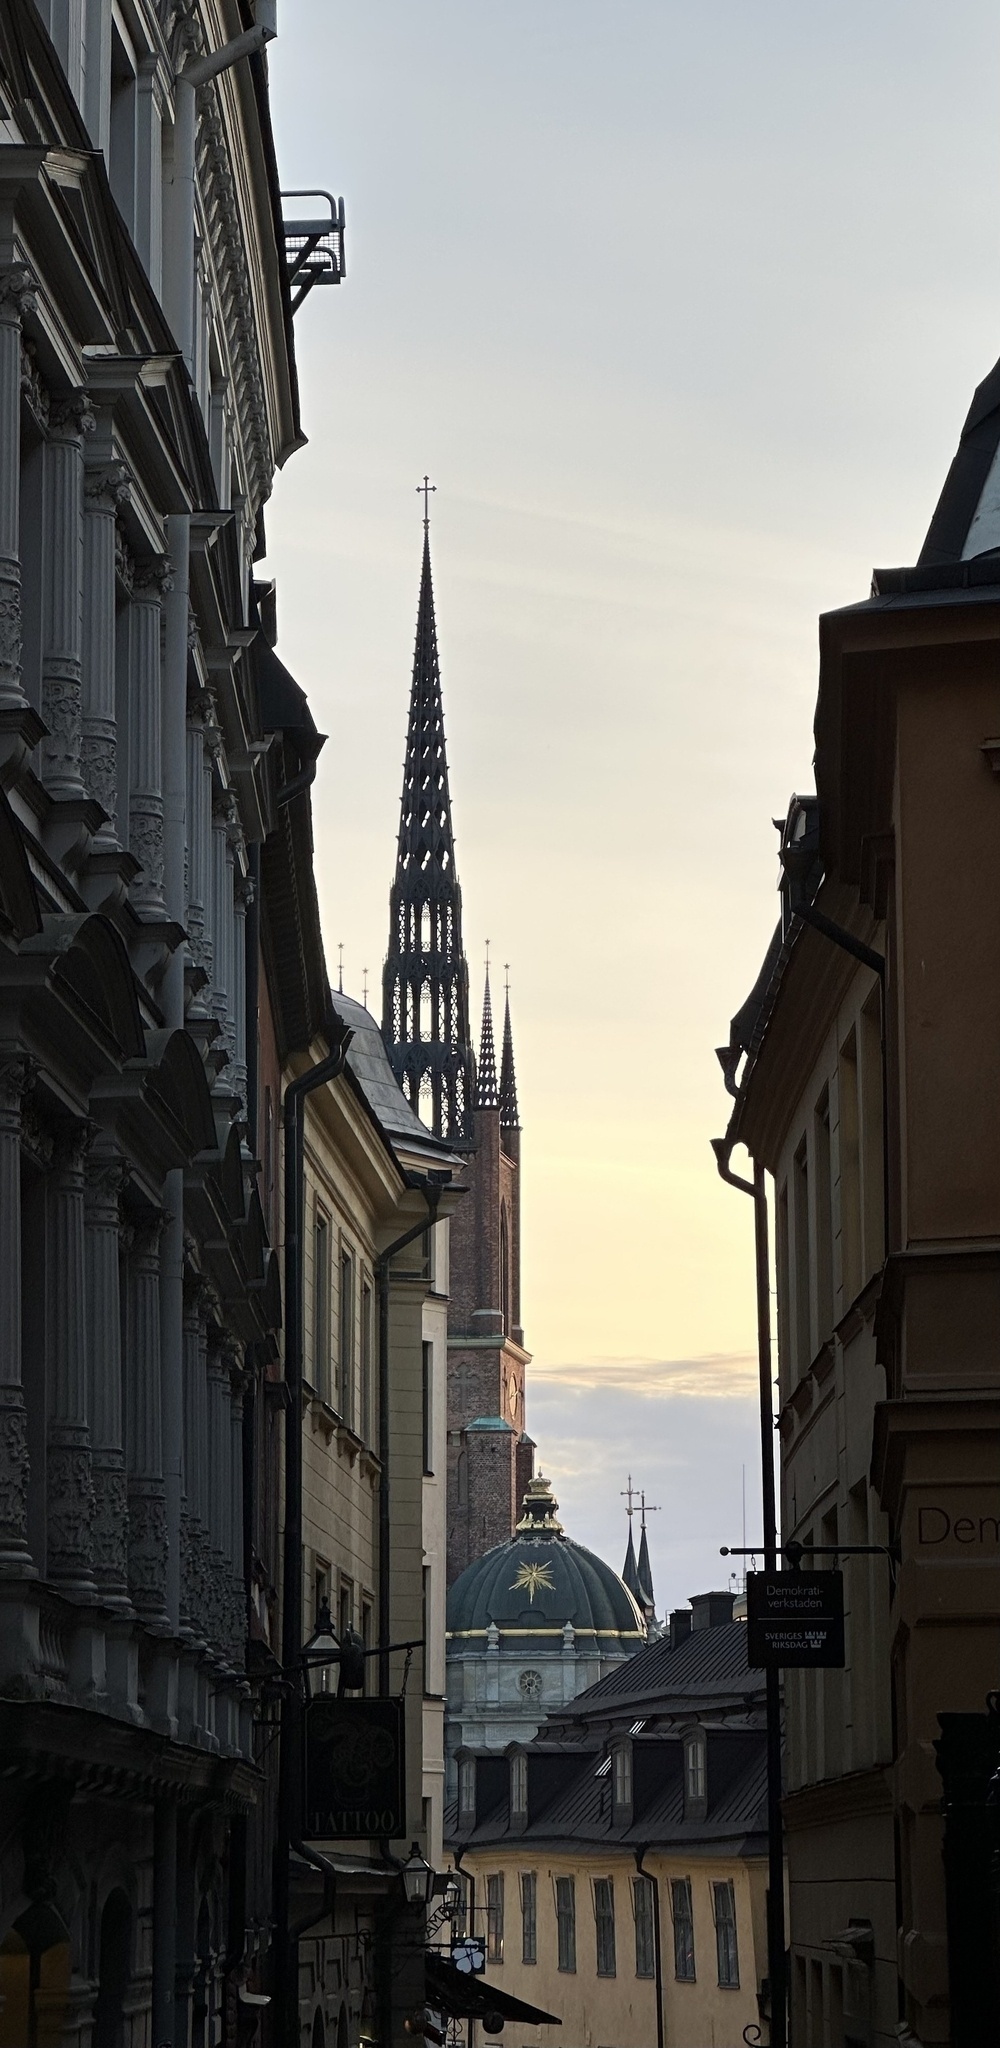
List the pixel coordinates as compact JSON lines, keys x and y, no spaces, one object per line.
{"x":539,"y":1581}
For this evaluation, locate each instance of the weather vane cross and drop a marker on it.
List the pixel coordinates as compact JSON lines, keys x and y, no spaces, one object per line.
{"x":628,"y":1494}
{"x":427,"y":487}
{"x":647,"y":1510}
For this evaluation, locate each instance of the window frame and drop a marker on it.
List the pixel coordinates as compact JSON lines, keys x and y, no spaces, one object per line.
{"x":726,"y":1935}
{"x":695,"y":1774}
{"x":604,"y":1926}
{"x":494,"y":1916}
{"x":321,"y":1302}
{"x":621,"y":1779}
{"x":345,"y":1334}
{"x":519,"y":1786}
{"x":685,"y":1962}
{"x":565,"y":1891}
{"x":527,"y":1881}
{"x":467,"y":1790}
{"x":644,"y":1919}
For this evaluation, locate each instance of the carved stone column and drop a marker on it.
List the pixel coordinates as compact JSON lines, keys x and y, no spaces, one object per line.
{"x":194,"y":1513}
{"x":105,"y":1179}
{"x":16,"y":298}
{"x":106,"y":489}
{"x":243,"y":897}
{"x":199,"y":882}
{"x":220,"y":1505}
{"x":62,"y":631}
{"x":145,"y":805}
{"x":147,"y":1510}
{"x":15,"y":1560}
{"x":69,"y":1491}
{"x":222,"y":915}
{"x":238,"y":1588}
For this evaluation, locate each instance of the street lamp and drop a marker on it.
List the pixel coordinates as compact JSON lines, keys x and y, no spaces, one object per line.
{"x":322,"y":1650}
{"x":418,"y":1878}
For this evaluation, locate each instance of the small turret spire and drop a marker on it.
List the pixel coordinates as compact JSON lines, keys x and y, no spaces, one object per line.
{"x":630,"y":1570}
{"x":487,"y":1094}
{"x":509,"y":1119}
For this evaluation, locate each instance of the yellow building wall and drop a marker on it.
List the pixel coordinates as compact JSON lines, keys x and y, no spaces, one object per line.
{"x":620,"y":2011}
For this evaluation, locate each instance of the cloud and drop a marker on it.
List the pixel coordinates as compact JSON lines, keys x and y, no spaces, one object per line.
{"x":717,"y":1375}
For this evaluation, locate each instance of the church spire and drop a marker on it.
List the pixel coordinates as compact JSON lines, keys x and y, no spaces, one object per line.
{"x":509,"y":1120}
{"x":425,"y":982}
{"x":630,"y":1570}
{"x":487,"y":1093}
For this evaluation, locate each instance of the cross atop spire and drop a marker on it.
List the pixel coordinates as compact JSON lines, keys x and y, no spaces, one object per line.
{"x":487,"y":1093}
{"x":509,"y":1119}
{"x":427,"y":487}
{"x":425,"y":981}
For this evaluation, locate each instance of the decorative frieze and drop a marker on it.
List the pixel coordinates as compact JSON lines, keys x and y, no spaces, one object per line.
{"x":17,"y":297}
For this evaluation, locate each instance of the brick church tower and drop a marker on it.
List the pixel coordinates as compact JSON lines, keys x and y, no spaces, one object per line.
{"x":425,"y":1025}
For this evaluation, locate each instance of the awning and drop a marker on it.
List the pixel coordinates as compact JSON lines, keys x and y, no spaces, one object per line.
{"x":464,"y":1997}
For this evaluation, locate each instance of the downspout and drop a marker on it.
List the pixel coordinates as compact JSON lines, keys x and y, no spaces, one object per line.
{"x":468,"y":1875}
{"x":290,"y":1752}
{"x":431,"y":1190}
{"x":657,"y":1949}
{"x":776,"y":1956}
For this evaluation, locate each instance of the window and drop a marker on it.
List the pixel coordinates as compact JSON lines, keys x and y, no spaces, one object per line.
{"x":529,"y":1916}
{"x":724,"y":1902}
{"x":467,"y":1789}
{"x":321,"y":1305}
{"x":346,"y":1346}
{"x":849,"y":1161}
{"x":824,"y":1218}
{"x":694,"y":1775}
{"x":505,"y":1271}
{"x":494,"y":1916}
{"x":604,"y":1914}
{"x":621,"y":1782}
{"x":428,"y":1372}
{"x":519,"y":1786}
{"x":367,"y":1612}
{"x":345,"y":1612}
{"x":872,"y":1185}
{"x":645,"y":1938}
{"x":367,"y":1405}
{"x":801,"y":1272}
{"x":566,"y":1922}
{"x":680,"y":1906}
{"x":323,"y":1674}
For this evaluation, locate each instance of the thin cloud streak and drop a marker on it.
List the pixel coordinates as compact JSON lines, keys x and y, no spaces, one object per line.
{"x":719,"y":1375}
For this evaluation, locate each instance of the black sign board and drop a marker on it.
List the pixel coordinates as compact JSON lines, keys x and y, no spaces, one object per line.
{"x":795,"y":1619}
{"x":355,"y":1769}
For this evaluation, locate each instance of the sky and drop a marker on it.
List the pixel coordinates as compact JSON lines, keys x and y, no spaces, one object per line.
{"x":681,"y":308}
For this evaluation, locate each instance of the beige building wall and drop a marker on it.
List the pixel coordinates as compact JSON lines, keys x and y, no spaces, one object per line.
{"x":435,"y":1537}
{"x":619,"y":2011}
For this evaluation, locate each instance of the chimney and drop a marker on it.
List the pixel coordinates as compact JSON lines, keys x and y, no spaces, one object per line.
{"x":680,"y":1625}
{"x":711,"y":1610}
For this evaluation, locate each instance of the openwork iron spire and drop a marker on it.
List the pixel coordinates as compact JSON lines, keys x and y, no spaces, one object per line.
{"x":509,"y":1119}
{"x":487,"y":1092}
{"x":425,"y":982}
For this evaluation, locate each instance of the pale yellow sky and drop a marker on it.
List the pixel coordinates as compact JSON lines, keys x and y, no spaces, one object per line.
{"x":682,"y":309}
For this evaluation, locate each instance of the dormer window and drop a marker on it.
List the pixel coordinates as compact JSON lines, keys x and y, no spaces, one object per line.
{"x":467,"y":1791}
{"x":695,"y":1776}
{"x":519,"y":1786}
{"x":621,"y":1778}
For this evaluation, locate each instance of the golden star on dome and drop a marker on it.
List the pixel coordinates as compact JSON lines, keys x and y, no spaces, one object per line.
{"x":532,"y":1579}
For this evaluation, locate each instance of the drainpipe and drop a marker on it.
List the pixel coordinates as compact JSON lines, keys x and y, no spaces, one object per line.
{"x":657,"y":1951}
{"x":457,"y":1855}
{"x":431,"y":1187}
{"x":290,"y":1753}
{"x":776,"y":1956}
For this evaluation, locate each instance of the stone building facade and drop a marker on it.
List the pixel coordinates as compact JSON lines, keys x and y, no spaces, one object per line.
{"x":863,"y":1070}
{"x":147,"y":395}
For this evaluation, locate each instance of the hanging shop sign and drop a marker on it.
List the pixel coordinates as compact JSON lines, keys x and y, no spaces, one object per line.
{"x":355,"y":1769}
{"x":795,"y":1620}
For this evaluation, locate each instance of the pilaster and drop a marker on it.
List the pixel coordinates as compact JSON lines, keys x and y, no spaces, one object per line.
{"x":69,"y":1484}
{"x":15,"y":1559}
{"x":62,"y":631}
{"x":106,"y":488}
{"x":195,"y":1537}
{"x":201,"y":730}
{"x":147,"y":1511}
{"x":17,"y":297}
{"x":145,"y":795}
{"x":105,"y":1180}
{"x":220,"y":1500}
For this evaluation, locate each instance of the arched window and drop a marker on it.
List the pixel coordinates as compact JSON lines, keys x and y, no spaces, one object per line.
{"x":319,"y":2030}
{"x":519,"y":1785}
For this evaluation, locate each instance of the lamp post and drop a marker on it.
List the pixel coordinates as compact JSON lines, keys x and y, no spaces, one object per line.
{"x":418,"y":1878}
